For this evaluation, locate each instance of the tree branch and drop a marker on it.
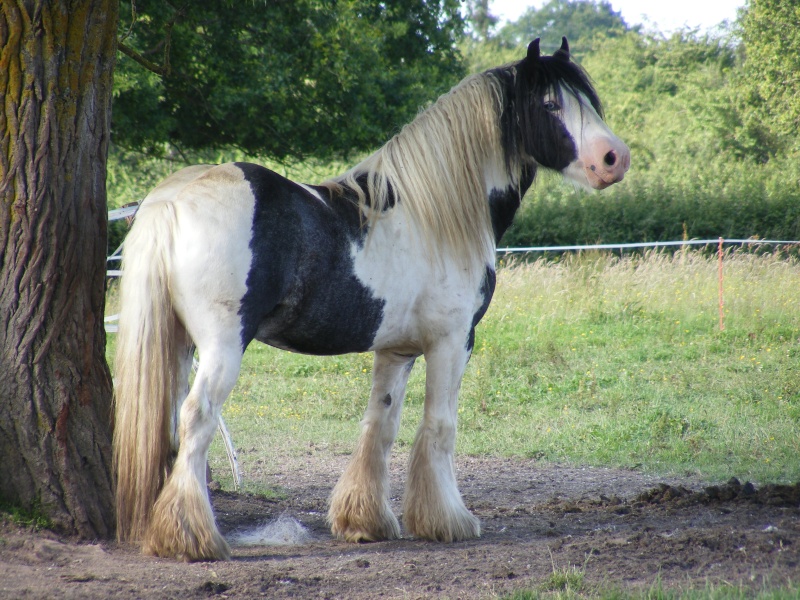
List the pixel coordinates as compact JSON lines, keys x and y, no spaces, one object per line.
{"x":164,"y":71}
{"x":134,"y":16}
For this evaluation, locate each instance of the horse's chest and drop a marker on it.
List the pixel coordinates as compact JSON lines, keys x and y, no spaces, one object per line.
{"x":425,"y":299}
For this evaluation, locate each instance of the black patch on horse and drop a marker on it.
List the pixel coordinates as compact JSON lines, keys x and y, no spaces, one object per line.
{"x":503,"y":204}
{"x":487,"y":291}
{"x":363,"y":182}
{"x":302,"y":290}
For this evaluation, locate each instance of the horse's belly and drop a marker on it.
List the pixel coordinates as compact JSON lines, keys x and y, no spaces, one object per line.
{"x":322,"y":339}
{"x":340,"y":321}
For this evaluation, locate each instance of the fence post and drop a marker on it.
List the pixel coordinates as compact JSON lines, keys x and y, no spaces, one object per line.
{"x":721,"y":301}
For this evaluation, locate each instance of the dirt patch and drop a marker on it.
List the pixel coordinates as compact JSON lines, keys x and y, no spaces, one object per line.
{"x":620,"y":528}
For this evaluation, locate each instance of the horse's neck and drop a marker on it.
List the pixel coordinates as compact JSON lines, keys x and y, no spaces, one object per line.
{"x":504,"y":198}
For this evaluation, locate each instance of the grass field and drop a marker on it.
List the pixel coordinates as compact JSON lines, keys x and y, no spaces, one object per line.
{"x":589,"y":359}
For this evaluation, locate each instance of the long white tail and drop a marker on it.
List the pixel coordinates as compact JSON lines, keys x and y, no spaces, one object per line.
{"x":150,"y":342}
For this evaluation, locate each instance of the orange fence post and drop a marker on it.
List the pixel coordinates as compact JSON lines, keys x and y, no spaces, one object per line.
{"x":721,"y":303}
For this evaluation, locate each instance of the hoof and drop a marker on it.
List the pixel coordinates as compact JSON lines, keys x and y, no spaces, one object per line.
{"x":182,"y":526}
{"x":358,"y":519}
{"x":359,"y":533}
{"x":453,"y":527}
{"x":211,"y":548}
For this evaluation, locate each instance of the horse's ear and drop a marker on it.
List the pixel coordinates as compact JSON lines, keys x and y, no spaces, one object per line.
{"x":563,"y":52}
{"x":533,"y":50}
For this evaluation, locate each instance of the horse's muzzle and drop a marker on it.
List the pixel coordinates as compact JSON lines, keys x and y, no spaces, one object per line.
{"x":607,"y":161}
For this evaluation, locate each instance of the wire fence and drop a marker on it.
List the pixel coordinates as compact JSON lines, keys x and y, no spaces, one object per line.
{"x":635,"y":245}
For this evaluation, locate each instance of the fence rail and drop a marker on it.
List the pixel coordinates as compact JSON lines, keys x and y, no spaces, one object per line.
{"x":714,"y":242}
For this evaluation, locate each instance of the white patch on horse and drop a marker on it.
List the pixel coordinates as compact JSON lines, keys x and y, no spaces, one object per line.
{"x":212,"y":257}
{"x":312,"y":191}
{"x":436,"y":297}
{"x":595,"y":142}
{"x":496,"y":177}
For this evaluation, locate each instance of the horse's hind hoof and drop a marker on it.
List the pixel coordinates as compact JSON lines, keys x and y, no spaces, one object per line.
{"x":182,"y":526}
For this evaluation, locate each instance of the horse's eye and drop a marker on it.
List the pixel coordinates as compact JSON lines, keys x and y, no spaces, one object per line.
{"x":551,"y":106}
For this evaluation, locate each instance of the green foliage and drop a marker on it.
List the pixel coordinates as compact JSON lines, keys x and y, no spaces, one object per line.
{"x":725,"y":199}
{"x":584,"y":22}
{"x":580,"y":20}
{"x":771,"y":34}
{"x":670,"y":99}
{"x":33,"y":518}
{"x":283,"y":79}
{"x":481,"y":19}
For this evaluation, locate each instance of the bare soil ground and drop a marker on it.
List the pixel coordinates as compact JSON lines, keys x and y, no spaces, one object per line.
{"x":622,"y":529}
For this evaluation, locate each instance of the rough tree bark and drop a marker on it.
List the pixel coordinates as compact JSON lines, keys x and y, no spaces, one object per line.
{"x":56,"y":64}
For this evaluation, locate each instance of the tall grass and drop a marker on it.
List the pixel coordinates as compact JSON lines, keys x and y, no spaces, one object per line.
{"x":591,"y":359}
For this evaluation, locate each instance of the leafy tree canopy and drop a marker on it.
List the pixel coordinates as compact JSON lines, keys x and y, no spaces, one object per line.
{"x":771,"y":35}
{"x":481,"y":20}
{"x":285,"y":78}
{"x":586,"y":23}
{"x":675,"y":97}
{"x":579,"y":20}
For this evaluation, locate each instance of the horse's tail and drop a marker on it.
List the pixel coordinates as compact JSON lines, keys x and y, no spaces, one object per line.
{"x":147,"y":369}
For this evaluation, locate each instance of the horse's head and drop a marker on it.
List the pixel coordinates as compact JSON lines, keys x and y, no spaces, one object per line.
{"x":560,"y":121}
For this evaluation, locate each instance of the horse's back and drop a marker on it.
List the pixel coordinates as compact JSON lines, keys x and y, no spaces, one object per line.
{"x":176,"y":182}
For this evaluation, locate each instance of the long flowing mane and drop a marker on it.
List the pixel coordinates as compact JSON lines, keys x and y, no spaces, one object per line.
{"x":436,"y":164}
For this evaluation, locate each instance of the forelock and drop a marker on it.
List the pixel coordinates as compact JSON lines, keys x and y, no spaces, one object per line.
{"x":553,"y":73}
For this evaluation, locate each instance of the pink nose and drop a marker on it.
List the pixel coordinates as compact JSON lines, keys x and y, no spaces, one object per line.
{"x":609,"y":159}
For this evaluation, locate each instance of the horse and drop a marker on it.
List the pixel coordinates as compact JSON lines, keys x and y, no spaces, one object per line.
{"x":396,"y":257}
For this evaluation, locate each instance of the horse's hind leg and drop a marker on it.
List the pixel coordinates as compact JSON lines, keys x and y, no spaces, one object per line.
{"x":359,"y":506}
{"x":182,"y":523}
{"x":185,"y":364}
{"x":432,"y":505}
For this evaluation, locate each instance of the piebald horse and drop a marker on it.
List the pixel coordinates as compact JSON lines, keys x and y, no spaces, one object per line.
{"x":396,"y":257}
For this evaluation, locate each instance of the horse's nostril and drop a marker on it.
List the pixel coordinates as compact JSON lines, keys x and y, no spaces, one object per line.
{"x":610,"y":158}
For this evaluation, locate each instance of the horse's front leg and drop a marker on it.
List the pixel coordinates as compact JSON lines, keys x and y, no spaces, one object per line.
{"x":359,"y":505}
{"x":432,"y":505}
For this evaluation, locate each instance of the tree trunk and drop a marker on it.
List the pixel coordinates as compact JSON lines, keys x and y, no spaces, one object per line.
{"x":56,"y":64}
